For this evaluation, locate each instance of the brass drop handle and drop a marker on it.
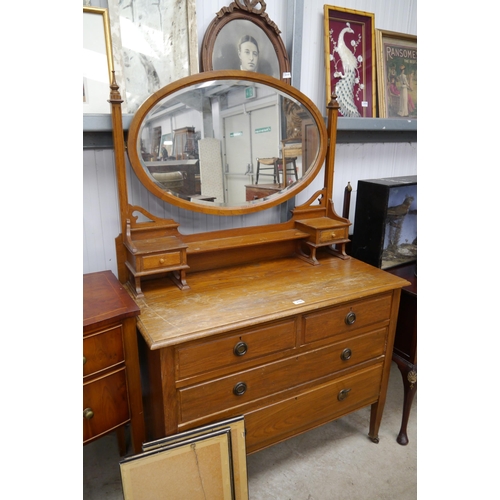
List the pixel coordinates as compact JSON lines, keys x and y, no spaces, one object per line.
{"x":88,"y":413}
{"x":240,"y":349}
{"x":346,"y":354}
{"x":239,"y":389}
{"x":350,"y":318}
{"x":343,"y":394}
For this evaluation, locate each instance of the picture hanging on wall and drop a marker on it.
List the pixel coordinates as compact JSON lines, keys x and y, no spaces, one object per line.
{"x":97,"y":60}
{"x":350,"y":60}
{"x":396,"y":74}
{"x":242,"y":36}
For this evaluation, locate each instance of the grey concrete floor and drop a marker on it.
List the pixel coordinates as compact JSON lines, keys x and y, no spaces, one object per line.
{"x":336,"y":461}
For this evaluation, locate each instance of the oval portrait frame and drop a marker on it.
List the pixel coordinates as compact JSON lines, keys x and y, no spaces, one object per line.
{"x":219,"y":46}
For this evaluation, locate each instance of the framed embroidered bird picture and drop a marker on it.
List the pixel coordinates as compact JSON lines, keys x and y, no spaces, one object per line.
{"x":350,"y":60}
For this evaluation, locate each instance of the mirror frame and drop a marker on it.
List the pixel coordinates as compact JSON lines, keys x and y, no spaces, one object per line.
{"x":250,"y":207}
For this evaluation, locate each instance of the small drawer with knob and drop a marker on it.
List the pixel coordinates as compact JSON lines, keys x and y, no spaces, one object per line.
{"x":162,"y":260}
{"x":105,"y":404}
{"x":345,"y":318}
{"x":102,"y":350}
{"x":233,"y":350}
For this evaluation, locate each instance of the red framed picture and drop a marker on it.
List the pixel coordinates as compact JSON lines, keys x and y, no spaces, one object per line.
{"x":350,"y":60}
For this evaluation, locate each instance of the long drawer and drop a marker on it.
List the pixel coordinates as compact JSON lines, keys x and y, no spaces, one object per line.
{"x":274,"y":423}
{"x":246,"y":386}
{"x":105,"y":404}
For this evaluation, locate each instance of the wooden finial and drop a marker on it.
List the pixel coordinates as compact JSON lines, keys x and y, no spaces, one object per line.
{"x":333,"y":102}
{"x":114,"y":95}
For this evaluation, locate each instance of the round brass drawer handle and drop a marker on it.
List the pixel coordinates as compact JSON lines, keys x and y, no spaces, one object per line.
{"x":240,"y":349}
{"x":162,"y":261}
{"x":350,"y":318}
{"x":346,"y":354}
{"x":88,"y":413}
{"x":343,"y":394}
{"x":239,"y":389}
{"x":84,"y":359}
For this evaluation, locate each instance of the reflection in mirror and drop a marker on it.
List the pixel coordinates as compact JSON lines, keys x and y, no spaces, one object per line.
{"x":228,"y":143}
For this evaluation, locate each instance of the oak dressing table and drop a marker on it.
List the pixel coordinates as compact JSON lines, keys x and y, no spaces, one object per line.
{"x":273,"y":322}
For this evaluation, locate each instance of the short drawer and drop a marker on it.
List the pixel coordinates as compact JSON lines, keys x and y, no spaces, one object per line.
{"x":105,"y":404}
{"x":211,"y":397}
{"x":102,"y":350}
{"x":330,"y":235}
{"x":304,"y":411}
{"x":232,"y":351}
{"x":345,"y":318}
{"x":161,"y":260}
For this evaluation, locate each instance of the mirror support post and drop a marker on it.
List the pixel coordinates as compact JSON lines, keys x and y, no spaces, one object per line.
{"x":119,"y":145}
{"x":333,"y":111}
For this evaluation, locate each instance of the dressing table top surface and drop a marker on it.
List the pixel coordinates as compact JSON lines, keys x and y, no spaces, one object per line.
{"x":223,"y":300}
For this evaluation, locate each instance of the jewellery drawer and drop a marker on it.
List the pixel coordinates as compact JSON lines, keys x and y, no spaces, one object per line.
{"x":344,"y":318}
{"x":330,"y":235}
{"x":105,"y":404}
{"x":161,"y":260}
{"x":102,"y":350}
{"x":256,"y":383}
{"x":306,"y":410}
{"x":235,"y":349}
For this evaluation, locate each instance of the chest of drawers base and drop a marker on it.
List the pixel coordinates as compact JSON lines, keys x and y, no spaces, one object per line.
{"x":286,"y":365}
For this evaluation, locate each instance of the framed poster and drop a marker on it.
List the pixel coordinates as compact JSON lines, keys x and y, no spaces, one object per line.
{"x":350,"y":60}
{"x":396,"y":74}
{"x":97,"y":60}
{"x":243,"y":37}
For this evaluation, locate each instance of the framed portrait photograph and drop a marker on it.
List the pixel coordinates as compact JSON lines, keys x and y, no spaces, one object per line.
{"x":396,"y":74}
{"x":97,"y":60}
{"x":243,"y":37}
{"x":350,"y":60}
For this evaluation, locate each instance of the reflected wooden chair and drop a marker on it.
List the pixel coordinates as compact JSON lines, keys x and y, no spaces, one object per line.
{"x":291,"y":167}
{"x":270,"y":164}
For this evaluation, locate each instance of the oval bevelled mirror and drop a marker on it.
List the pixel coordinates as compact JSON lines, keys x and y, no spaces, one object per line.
{"x":227,"y":142}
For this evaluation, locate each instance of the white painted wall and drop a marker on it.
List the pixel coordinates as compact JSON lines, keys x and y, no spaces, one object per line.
{"x":353,"y":161}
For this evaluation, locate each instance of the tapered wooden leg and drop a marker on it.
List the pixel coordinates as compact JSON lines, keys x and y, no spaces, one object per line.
{"x":375,"y":420}
{"x":122,"y":440}
{"x":409,"y":374}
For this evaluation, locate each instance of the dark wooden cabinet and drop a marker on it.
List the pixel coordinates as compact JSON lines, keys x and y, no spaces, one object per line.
{"x":111,"y":378}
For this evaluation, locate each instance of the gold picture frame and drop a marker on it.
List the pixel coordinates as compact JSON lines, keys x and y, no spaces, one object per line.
{"x":396,"y":74}
{"x":97,"y":60}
